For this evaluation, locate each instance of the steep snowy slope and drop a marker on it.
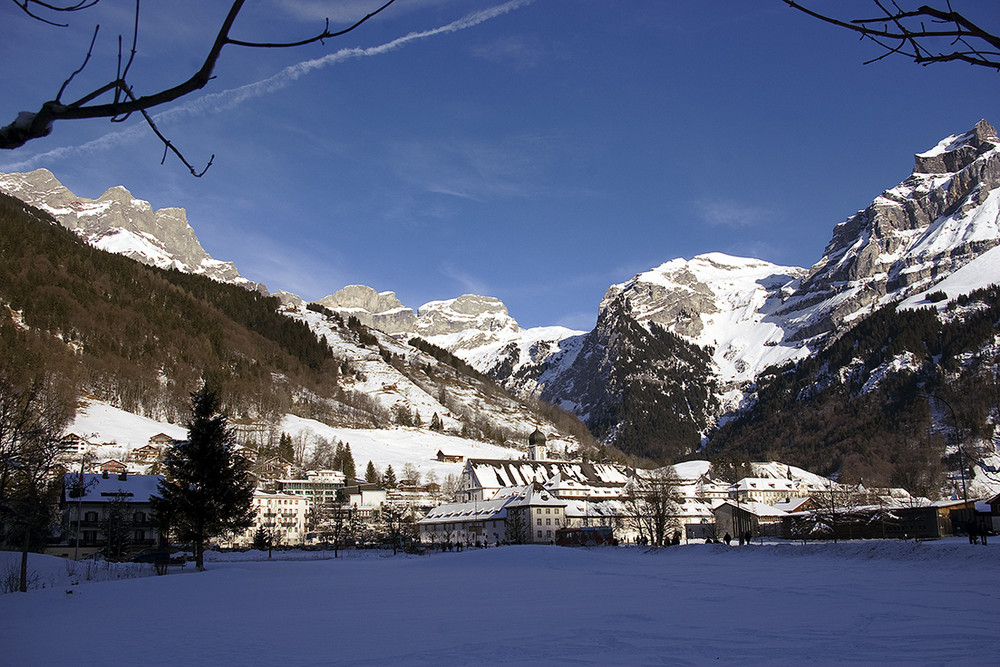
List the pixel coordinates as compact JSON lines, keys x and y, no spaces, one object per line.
{"x":719,"y":302}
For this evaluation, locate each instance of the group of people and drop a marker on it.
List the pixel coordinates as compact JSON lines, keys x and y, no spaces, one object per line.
{"x":744,"y":538}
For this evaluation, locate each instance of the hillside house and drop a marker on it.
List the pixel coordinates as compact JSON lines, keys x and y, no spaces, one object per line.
{"x":161,"y":440}
{"x":449,"y":458}
{"x":366,"y":498}
{"x":147,"y":454}
{"x":112,"y":467}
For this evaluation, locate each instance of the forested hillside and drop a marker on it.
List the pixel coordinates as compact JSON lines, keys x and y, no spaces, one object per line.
{"x":140,"y":337}
{"x":880,"y":404}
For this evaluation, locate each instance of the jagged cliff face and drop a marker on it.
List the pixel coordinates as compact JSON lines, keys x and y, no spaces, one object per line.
{"x":936,"y":221}
{"x":118,"y":222}
{"x":379,"y":310}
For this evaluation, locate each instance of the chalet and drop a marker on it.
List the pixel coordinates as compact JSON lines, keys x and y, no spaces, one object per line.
{"x":449,"y":458}
{"x":161,"y":440}
{"x":89,"y":501}
{"x":271,"y":468}
{"x":112,"y":467}
{"x":147,"y":454}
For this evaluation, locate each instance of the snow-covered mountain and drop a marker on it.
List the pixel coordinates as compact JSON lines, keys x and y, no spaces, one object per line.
{"x":935,"y":232}
{"x":943,"y":217}
{"x":118,"y":222}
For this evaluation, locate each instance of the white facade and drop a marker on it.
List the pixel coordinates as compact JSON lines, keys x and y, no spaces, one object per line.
{"x":284,"y":514}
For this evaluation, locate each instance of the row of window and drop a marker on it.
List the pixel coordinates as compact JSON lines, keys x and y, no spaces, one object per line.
{"x":548,"y":522}
{"x":138,"y":517}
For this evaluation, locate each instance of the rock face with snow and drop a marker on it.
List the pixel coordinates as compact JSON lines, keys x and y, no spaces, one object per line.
{"x":379,"y":310}
{"x":119,"y":223}
{"x":942,"y":217}
{"x":467,"y":312}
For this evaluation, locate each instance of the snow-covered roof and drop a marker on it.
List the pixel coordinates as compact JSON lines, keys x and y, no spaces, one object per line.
{"x":484,"y":510}
{"x":499,"y":473}
{"x":755,"y":508}
{"x":98,"y":488}
{"x":790,"y":504}
{"x":536,"y":495}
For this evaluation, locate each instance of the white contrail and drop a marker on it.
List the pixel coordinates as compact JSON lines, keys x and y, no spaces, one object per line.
{"x":228,"y":99}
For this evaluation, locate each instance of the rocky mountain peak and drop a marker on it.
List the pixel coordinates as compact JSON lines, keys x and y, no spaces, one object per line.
{"x":467,"y":312}
{"x":956,"y":152}
{"x":118,"y":222}
{"x":379,"y":310}
{"x":911,"y":236}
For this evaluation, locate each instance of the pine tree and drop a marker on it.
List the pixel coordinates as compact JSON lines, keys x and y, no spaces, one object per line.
{"x":371,"y":474}
{"x":208,"y":490}
{"x":285,"y":449}
{"x":436,"y":424}
{"x":350,"y":472}
{"x":389,"y":478}
{"x":338,"y":457}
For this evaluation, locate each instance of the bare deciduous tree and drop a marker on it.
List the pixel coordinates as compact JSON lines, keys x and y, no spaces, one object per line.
{"x":33,"y":413}
{"x":925,"y":34}
{"x":652,"y":503}
{"x":125,"y":99}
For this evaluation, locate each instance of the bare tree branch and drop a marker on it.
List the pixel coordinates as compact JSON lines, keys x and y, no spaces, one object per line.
{"x":33,"y":125}
{"x":951,"y":37}
{"x":28,"y":6}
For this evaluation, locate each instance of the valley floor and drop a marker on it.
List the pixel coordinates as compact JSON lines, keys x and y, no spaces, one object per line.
{"x":858,"y":602}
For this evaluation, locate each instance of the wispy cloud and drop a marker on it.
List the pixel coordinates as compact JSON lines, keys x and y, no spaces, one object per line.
{"x":222,"y":101}
{"x":474,"y":169}
{"x":724,"y":213}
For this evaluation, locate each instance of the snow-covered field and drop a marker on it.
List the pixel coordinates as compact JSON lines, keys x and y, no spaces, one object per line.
{"x":861,"y":602}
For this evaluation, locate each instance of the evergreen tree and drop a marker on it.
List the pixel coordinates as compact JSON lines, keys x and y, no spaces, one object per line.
{"x":208,"y":489}
{"x":350,"y":472}
{"x":371,"y":474}
{"x":389,"y":478}
{"x":436,"y":424}
{"x":285,"y":449}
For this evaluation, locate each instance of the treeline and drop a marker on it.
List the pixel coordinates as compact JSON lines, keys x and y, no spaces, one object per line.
{"x":865,"y":408}
{"x":142,"y":338}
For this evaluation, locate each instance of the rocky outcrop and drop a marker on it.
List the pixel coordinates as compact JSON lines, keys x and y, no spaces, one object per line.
{"x":118,"y":222}
{"x":914,"y":234}
{"x":467,"y":312}
{"x":379,"y":310}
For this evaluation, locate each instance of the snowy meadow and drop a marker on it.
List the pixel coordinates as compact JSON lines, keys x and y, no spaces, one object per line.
{"x":859,"y":602}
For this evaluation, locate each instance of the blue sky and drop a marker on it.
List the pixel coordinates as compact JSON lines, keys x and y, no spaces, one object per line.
{"x":537,"y":153}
